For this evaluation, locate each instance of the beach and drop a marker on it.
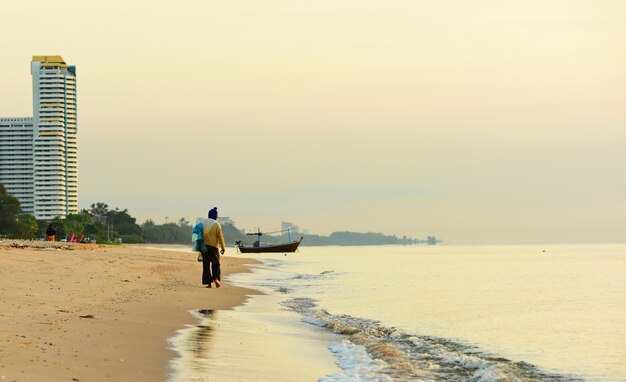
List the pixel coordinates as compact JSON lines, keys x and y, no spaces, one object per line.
{"x":484,"y":313}
{"x":73,"y":312}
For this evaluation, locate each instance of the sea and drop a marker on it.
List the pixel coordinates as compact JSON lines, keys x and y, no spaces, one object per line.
{"x":436,"y":313}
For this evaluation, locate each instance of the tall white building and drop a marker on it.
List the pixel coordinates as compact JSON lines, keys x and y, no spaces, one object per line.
{"x":38,"y":155}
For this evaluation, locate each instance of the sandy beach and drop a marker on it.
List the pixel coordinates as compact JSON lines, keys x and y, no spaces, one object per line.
{"x":95,"y":313}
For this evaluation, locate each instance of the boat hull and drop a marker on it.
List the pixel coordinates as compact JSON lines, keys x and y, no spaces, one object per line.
{"x":288,"y":247}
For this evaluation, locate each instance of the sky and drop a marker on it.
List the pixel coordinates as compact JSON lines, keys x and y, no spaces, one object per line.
{"x":480,"y":122}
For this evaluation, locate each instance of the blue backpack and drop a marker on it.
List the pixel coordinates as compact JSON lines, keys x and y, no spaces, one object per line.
{"x":197,"y":239}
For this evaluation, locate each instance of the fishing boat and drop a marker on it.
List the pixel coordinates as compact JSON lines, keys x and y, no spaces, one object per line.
{"x":257,"y":247}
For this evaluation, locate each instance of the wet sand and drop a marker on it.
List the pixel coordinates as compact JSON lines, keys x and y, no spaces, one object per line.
{"x":100,"y":313}
{"x":254,"y":342}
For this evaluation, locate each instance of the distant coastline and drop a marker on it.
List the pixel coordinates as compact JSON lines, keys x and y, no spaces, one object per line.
{"x":342,"y":238}
{"x":104,"y":225}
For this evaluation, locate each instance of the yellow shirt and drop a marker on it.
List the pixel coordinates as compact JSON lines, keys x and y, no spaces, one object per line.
{"x":212,"y":234}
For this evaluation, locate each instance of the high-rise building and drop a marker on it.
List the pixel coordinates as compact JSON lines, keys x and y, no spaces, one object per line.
{"x":38,"y":155}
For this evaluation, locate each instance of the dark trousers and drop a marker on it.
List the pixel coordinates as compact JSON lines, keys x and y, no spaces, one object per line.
{"x":210,"y":265}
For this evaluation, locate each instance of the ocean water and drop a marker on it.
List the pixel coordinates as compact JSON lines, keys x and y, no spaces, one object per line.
{"x":455,"y":313}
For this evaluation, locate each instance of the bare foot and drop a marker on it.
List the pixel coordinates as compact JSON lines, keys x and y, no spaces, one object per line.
{"x":217,"y":283}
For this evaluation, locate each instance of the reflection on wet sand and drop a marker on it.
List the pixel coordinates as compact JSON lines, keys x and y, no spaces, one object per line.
{"x":256,"y":341}
{"x":206,"y":313}
{"x":201,"y":336}
{"x":195,"y":346}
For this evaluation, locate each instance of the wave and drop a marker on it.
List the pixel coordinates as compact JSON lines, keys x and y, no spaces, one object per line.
{"x":374,"y":352}
{"x":308,"y":276}
{"x":285,"y":283}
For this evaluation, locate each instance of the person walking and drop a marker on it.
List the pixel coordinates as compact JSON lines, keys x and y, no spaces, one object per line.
{"x":51,"y":233}
{"x":213,"y":238}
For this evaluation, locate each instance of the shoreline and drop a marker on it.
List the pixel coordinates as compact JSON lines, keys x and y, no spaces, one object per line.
{"x":260,"y":340}
{"x":100,"y":313}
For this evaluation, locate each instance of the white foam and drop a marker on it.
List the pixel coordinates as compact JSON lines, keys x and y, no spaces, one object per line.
{"x":355,"y":364}
{"x":489,"y":374}
{"x":313,"y":321}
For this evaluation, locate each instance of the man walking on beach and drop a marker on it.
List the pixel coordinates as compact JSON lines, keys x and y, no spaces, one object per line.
{"x":213,"y":238}
{"x":51,"y":233}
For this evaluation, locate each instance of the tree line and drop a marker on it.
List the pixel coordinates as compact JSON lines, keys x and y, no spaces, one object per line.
{"x":98,"y":223}
{"x":12,"y":222}
{"x":103,"y":224}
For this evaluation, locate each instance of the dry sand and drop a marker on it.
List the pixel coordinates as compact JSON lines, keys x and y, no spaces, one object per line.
{"x":95,"y":313}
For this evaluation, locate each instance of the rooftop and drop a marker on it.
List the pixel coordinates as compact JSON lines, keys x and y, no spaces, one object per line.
{"x":50,"y":60}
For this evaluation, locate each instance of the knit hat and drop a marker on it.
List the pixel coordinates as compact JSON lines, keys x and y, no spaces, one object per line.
{"x":213,"y":213}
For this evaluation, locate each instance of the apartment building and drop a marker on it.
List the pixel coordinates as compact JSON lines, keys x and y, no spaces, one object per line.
{"x":39,"y":154}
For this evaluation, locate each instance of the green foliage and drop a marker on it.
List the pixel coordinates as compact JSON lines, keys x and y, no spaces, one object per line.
{"x":12,"y":223}
{"x":74,"y":225}
{"x":77,"y":224}
{"x":132,"y":239}
{"x":104,"y":224}
{"x":150,"y":233}
{"x":172,"y":233}
{"x":98,"y":209}
{"x":59,"y":226}
{"x":99,"y":223}
{"x":27,"y":226}
{"x":110,"y":242}
{"x":168,"y":233}
{"x":9,"y":210}
{"x":123,"y":223}
{"x":42,"y":225}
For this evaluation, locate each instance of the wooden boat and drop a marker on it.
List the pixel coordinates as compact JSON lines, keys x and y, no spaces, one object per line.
{"x":257,"y":247}
{"x":270,"y":248}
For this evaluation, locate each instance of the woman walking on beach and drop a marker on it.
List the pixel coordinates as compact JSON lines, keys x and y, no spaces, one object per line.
{"x":213,"y":238}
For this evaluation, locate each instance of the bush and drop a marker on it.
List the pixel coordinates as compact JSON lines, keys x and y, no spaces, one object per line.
{"x":132,"y":239}
{"x":27,"y":226}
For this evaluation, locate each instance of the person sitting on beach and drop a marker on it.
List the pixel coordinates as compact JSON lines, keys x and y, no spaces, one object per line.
{"x":51,"y":233}
{"x":213,"y":238}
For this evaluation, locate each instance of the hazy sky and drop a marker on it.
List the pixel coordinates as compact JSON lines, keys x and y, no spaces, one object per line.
{"x":477,"y":121}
